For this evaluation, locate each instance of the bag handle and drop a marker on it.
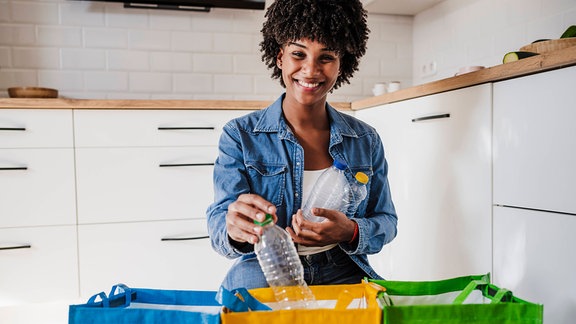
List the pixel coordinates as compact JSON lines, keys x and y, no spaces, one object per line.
{"x":472,"y":285}
{"x":239,"y":300}
{"x":126,"y":293}
{"x":486,"y":287}
{"x":102,"y":295}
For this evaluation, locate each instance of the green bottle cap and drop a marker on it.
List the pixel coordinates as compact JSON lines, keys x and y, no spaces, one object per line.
{"x":266,"y":220}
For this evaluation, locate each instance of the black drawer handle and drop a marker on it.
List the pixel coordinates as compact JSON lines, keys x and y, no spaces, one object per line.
{"x":12,"y":129}
{"x":186,"y":128}
{"x":16,"y":247}
{"x":192,"y":238}
{"x":12,"y":168}
{"x":185,"y":165}
{"x":415,"y":120}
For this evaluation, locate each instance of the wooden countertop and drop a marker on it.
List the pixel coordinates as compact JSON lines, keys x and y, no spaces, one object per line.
{"x":63,"y":103}
{"x":535,"y":64}
{"x":531,"y":65}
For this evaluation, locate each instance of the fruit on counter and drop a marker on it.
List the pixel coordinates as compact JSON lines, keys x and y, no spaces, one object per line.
{"x":570,"y":32}
{"x":517,"y":55}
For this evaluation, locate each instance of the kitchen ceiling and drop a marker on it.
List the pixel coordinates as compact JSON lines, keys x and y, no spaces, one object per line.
{"x":398,"y":7}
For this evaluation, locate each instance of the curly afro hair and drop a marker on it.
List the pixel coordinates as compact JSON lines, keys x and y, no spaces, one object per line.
{"x":338,"y":24}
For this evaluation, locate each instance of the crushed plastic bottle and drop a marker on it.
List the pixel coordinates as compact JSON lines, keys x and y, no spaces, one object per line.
{"x":358,"y":192}
{"x":282,"y":268}
{"x":331,"y":191}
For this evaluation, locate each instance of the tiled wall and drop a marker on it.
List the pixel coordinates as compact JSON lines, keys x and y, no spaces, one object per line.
{"x":459,"y":33}
{"x":102,"y":50}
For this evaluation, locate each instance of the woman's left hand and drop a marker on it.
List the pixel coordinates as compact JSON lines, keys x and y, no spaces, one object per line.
{"x":335,"y":228}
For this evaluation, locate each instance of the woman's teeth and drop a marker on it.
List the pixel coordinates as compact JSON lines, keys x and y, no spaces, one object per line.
{"x":308,"y":85}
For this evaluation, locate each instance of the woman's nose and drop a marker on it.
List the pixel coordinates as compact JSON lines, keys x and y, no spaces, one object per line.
{"x":311,"y":67}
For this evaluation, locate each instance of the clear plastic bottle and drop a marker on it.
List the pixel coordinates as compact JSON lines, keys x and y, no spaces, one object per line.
{"x":331,"y":191}
{"x":282,"y":268}
{"x":358,"y":192}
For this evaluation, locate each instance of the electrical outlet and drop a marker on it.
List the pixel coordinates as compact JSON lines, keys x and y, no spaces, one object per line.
{"x":429,"y":69}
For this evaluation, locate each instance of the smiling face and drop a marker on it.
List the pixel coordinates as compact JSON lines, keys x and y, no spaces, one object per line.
{"x":309,"y":71}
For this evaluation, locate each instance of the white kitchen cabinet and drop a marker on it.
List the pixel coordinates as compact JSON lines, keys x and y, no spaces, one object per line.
{"x":38,"y":264}
{"x":38,"y":249}
{"x":534,"y":258}
{"x":534,"y":176}
{"x":143,"y":184}
{"x":37,"y":187}
{"x":535,"y":141}
{"x":33,"y":128}
{"x":144,"y":175}
{"x":438,"y":150}
{"x":150,"y":128}
{"x":165,"y":255}
{"x":146,"y":165}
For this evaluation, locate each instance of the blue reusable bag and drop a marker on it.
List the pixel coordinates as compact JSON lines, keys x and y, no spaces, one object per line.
{"x":137,"y":305}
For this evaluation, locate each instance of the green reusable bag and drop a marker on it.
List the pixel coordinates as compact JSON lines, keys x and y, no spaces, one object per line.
{"x":469,"y":299}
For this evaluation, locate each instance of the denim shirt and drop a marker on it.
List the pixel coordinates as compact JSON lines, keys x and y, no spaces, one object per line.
{"x":259,"y":154}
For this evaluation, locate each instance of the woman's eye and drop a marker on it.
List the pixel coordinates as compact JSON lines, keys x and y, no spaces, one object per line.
{"x":297,"y":54}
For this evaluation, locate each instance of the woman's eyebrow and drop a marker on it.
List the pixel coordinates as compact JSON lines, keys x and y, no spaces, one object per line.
{"x":326,"y":49}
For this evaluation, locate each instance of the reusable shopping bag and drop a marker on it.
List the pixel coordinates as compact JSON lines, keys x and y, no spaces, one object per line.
{"x":468,"y":299}
{"x":352,"y":303}
{"x":137,"y":305}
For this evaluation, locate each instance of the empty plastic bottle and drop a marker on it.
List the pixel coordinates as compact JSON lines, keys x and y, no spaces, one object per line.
{"x":331,"y":191}
{"x":282,"y":268}
{"x":358,"y":192}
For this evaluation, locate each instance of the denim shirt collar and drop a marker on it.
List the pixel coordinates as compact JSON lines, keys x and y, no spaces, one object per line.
{"x":273,"y":120}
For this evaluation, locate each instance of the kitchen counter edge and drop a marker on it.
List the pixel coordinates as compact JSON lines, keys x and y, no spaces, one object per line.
{"x":531,"y":65}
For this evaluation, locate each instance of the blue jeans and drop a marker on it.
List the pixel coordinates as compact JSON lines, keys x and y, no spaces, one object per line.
{"x":326,"y":268}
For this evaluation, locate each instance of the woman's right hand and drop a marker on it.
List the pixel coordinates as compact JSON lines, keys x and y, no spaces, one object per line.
{"x":241,"y":216}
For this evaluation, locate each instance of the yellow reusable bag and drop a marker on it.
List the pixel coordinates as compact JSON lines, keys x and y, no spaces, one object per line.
{"x":353,"y":303}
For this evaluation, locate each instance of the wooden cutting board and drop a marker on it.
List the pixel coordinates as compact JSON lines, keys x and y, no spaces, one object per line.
{"x":549,"y":45}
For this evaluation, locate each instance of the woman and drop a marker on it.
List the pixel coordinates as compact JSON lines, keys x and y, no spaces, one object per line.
{"x":269,"y":159}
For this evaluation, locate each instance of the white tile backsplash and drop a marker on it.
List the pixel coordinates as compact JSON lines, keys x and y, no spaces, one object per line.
{"x":71,"y":81}
{"x":213,"y":63}
{"x":83,"y":59}
{"x":459,"y":33}
{"x":144,"y":82}
{"x":34,"y":12}
{"x":193,"y":42}
{"x":106,"y":81}
{"x":114,"y":38}
{"x":123,"y":60}
{"x":13,"y":35}
{"x":36,"y":57}
{"x":101,"y":50}
{"x":170,"y":62}
{"x":59,"y":36}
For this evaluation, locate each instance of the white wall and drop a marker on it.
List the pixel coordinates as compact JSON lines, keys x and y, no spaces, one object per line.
{"x":104,"y":51}
{"x":458,"y":33}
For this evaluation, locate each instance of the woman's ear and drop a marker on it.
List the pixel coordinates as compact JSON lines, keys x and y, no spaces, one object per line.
{"x":279,"y":59}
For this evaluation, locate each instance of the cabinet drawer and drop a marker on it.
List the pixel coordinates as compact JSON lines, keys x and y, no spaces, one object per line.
{"x":135,"y":254}
{"x":37,"y":187}
{"x":534,"y":258}
{"x":35,"y":128}
{"x":139,"y":184}
{"x":534,"y":141}
{"x":38,"y":264}
{"x":116,"y":128}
